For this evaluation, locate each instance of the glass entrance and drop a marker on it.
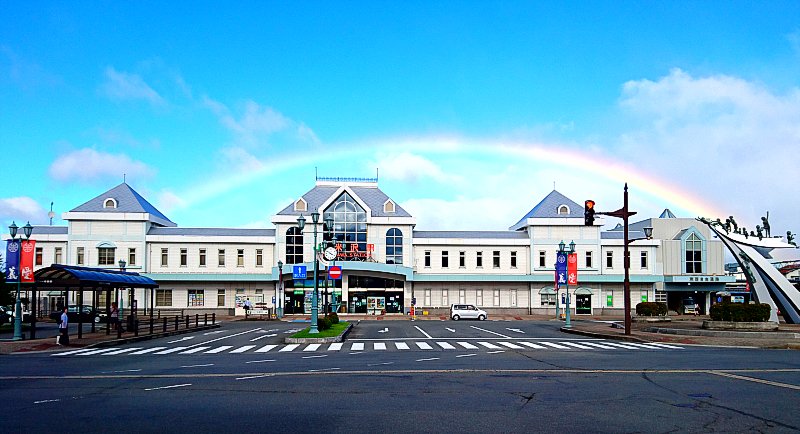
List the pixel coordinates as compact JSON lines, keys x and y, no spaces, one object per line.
{"x":583,"y":304}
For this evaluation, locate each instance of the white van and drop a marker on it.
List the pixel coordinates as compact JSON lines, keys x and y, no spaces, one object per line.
{"x":466,"y":311}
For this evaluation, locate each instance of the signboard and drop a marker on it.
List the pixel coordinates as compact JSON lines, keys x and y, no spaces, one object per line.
{"x":572,"y":269}
{"x":609,"y":300}
{"x":299,"y":272}
{"x":335,"y":272}
{"x":561,"y":269}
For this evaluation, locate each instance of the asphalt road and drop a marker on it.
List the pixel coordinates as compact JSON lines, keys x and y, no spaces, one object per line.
{"x":423,"y":376}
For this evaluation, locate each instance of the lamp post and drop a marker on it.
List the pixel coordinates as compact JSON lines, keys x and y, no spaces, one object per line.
{"x":278,"y":292}
{"x":328,"y":226}
{"x":301,"y":223}
{"x":562,"y":250}
{"x":27,"y":229}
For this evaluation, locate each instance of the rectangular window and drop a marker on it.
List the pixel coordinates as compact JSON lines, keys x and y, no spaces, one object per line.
{"x":184,"y":257}
{"x":609,"y":259}
{"x":644,"y":260}
{"x":79,"y":259}
{"x":514,"y":298}
{"x":548,"y":299}
{"x":164,"y":257}
{"x":220,"y":297}
{"x":427,"y":258}
{"x":57,"y":256}
{"x":240,"y":257}
{"x":462,"y":259}
{"x":462,"y":296}
{"x":496,"y":297}
{"x":479,"y":259}
{"x":444,"y":298}
{"x":221,"y":257}
{"x":542,"y":259}
{"x":39,"y":254}
{"x":496,"y":259}
{"x":609,"y":298}
{"x":445,"y":260}
{"x":105,"y":256}
{"x":259,"y":257}
{"x":202,"y":257}
{"x":479,"y":297}
{"x":513,"y":259}
{"x":588,"y":259}
{"x":427,"y":297}
{"x":196,"y":297}
{"x":661,"y":296}
{"x":163,"y":297}
{"x":131,"y":256}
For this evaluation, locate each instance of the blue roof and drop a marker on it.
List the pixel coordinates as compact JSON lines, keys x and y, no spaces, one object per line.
{"x":372,"y":197}
{"x":57,"y":275}
{"x":128,"y":200}
{"x":548,"y":208}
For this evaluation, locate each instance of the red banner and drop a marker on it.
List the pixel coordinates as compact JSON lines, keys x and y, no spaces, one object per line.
{"x":572,"y":269}
{"x":26,"y":261}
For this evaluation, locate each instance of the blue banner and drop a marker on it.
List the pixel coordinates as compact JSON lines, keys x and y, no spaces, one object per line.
{"x":561,"y":269}
{"x":12,"y":261}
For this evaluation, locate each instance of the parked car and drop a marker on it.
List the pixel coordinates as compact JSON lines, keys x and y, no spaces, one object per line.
{"x":88,"y":314}
{"x":459,"y":311}
{"x":5,"y":317}
{"x":687,"y":306}
{"x":26,"y":314}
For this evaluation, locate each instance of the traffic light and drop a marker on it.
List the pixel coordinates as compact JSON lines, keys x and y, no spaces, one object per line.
{"x":588,"y":213}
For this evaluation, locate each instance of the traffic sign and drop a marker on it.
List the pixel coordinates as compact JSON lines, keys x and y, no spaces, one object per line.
{"x":299,"y":272}
{"x":335,"y":272}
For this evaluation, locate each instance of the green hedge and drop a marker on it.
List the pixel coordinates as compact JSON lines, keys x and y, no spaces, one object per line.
{"x":333,"y":317}
{"x":651,"y":309}
{"x":740,"y":312}
{"x":323,"y":323}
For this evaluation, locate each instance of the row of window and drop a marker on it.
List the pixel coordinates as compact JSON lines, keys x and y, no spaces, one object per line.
{"x":105,"y":256}
{"x":195,"y":298}
{"x":590,"y":262}
{"x":462,"y":259}
{"x":462,"y":297}
{"x":350,"y":235}
{"x":202,"y":253}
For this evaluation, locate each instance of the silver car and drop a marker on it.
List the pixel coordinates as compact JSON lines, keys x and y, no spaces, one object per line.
{"x":459,"y":311}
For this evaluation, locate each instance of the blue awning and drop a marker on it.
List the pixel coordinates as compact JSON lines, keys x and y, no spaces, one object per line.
{"x":73,"y":276}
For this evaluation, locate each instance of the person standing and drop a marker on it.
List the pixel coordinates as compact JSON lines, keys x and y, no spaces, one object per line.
{"x":247,"y":306}
{"x":696,"y":309}
{"x":63,"y":329}
{"x":114,"y":316}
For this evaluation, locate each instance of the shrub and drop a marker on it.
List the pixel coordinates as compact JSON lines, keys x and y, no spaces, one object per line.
{"x":323,"y":323}
{"x":740,"y":312}
{"x":333,"y":317}
{"x":651,"y":309}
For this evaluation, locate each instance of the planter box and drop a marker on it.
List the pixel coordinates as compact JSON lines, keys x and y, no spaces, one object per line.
{"x":329,"y":340}
{"x":651,"y":319}
{"x":737,"y":325}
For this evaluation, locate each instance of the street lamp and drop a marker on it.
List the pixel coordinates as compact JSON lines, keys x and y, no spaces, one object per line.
{"x":328,"y":227}
{"x":278,"y":292}
{"x":563,"y":251}
{"x":27,"y":229}
{"x":301,"y":223}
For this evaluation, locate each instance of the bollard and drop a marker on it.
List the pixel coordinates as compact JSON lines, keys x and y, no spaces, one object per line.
{"x":214,"y":318}
{"x":176,"y":322}
{"x":196,"y":319}
{"x":165,"y":324}
{"x":119,"y":329}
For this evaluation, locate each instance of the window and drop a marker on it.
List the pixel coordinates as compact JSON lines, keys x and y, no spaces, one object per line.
{"x":202,"y":257}
{"x":542,"y":259}
{"x":131,"y":256}
{"x":300,"y":205}
{"x":163,"y":297}
{"x":259,"y":257}
{"x":427,"y":258}
{"x":496,"y":259}
{"x":220,"y":297}
{"x":388,"y":207}
{"x":444,"y":298}
{"x":164,"y":257}
{"x":105,"y":256}
{"x":462,"y":259}
{"x":349,"y":228}
{"x":548,"y":299}
{"x":513,"y":259}
{"x":563,"y":209}
{"x":661,"y":296}
{"x":514,"y":298}
{"x":184,"y":257}
{"x":196,"y":297}
{"x":79,"y":256}
{"x":694,"y":254}
{"x":644,"y":259}
{"x":39,"y":254}
{"x":394,"y":246}
{"x":221,"y":258}
{"x":609,"y":259}
{"x":445,"y":260}
{"x":462,"y":296}
{"x":57,"y":255}
{"x":427,"y":297}
{"x":496,"y":297}
{"x":240,"y":257}
{"x":110,"y":203}
{"x":479,"y":297}
{"x":479,"y":259}
{"x":588,"y":259}
{"x":294,"y":246}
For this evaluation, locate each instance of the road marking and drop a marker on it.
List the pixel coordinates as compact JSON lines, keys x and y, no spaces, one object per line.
{"x":423,"y":346}
{"x":515,"y":330}
{"x":315,"y":357}
{"x":145,"y":351}
{"x":378,"y":364}
{"x":197,"y":366}
{"x":379,"y":346}
{"x":263,"y":336}
{"x":169,"y":387}
{"x":573,"y":344}
{"x":467,"y":345}
{"x":102,"y":350}
{"x":219,"y":350}
{"x":755,"y":380}
{"x":357,"y":346}
{"x":46,"y":400}
{"x":386,"y":329}
{"x":213,"y":333}
{"x":550,"y":344}
{"x":645,"y":345}
{"x":532,"y":345}
{"x":401,"y":345}
{"x":119,"y":372}
{"x":659,"y":344}
{"x":423,"y":332}
{"x":194,"y":350}
{"x":495,"y":352}
{"x":450,"y":330}
{"x":312,"y":347}
{"x":445,"y":345}
{"x":120,"y":351}
{"x":223,"y":337}
{"x":605,"y":347}
{"x":425,"y":360}
{"x":323,"y":370}
{"x":510,"y":345}
{"x":181,"y":339}
{"x":288,"y":348}
{"x":626,"y":346}
{"x":488,"y":345}
{"x":258,"y":361}
{"x":66,"y":353}
{"x":336,"y":346}
{"x":265,"y":349}
{"x":242,"y":349}
{"x":172,"y":350}
{"x":255,"y":376}
{"x":466,"y":355}
{"x":494,"y":333}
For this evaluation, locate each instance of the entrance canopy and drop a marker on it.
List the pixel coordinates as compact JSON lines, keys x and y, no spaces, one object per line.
{"x":66,"y":276}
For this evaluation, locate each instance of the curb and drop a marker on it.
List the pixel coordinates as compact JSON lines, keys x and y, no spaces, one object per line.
{"x":722,"y":333}
{"x":329,"y":340}
{"x":602,"y":335}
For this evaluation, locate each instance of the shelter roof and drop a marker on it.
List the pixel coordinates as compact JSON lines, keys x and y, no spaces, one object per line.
{"x":72,"y":276}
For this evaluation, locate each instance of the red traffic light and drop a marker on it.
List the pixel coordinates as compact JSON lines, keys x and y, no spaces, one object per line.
{"x":589,"y":204}
{"x":588,"y":213}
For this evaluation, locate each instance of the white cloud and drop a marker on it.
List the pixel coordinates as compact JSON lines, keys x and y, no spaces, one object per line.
{"x":88,"y":165}
{"x":239,"y":160}
{"x":22,"y":209}
{"x":169,"y":201}
{"x":487,"y":213}
{"x":120,"y":86}
{"x":408,"y":167}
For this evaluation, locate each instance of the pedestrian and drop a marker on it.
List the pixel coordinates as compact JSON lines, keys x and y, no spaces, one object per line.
{"x":63,"y":329}
{"x":696,"y":309}
{"x":114,"y":316}
{"x":247,"y":306}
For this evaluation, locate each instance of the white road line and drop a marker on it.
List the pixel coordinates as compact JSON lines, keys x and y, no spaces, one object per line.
{"x":223,"y":337}
{"x":315,"y":357}
{"x":96,"y":351}
{"x":169,"y":387}
{"x":423,"y":332}
{"x":119,"y":372}
{"x":255,"y":376}
{"x":515,"y":330}
{"x":605,"y":347}
{"x":357,"y":346}
{"x":336,"y":346}
{"x":510,"y":345}
{"x":467,"y":345}
{"x":194,"y":350}
{"x":573,"y":344}
{"x":197,"y":366}
{"x":445,"y":346}
{"x":219,"y":350}
{"x":378,"y":364}
{"x":532,"y":345}
{"x":495,"y":352}
{"x":425,"y":360}
{"x":423,"y":346}
{"x":289,"y":348}
{"x":488,"y":345}
{"x":312,"y":347}
{"x":450,"y":330}
{"x":646,"y":346}
{"x":66,"y":353}
{"x":120,"y":351}
{"x":626,"y":346}
{"x":147,"y":350}
{"x":242,"y":349}
{"x":550,"y":344}
{"x":265,"y":349}
{"x":379,"y":346}
{"x":181,"y":339}
{"x":172,"y":350}
{"x":258,"y":361}
{"x":401,"y":345}
{"x":494,"y":333}
{"x":214,"y":332}
{"x":658,"y":344}
{"x":466,"y":355}
{"x":321,"y":370}
{"x":46,"y":400}
{"x":262,"y":337}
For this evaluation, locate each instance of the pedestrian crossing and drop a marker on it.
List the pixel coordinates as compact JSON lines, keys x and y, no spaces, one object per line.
{"x":376,"y":346}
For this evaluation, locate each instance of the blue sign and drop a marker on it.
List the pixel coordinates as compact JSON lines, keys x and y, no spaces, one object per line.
{"x":299,"y":272}
{"x":561,"y":269}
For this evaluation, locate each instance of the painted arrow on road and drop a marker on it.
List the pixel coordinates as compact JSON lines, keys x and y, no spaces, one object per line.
{"x":449,"y":329}
{"x":386,"y":329}
{"x":182,"y":339}
{"x":515,"y":330}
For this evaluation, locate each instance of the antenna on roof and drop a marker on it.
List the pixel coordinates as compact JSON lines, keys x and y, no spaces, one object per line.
{"x":376,"y":176}
{"x":123,"y":178}
{"x":316,"y":173}
{"x":554,"y":185}
{"x":51,"y":214}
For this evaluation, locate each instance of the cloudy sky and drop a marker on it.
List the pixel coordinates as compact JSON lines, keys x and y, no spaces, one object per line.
{"x":470,"y":112}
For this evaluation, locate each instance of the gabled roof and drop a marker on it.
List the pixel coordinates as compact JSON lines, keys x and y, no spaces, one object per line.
{"x":472,"y":234}
{"x":128,"y":201}
{"x":548,"y":208}
{"x":212,"y":232}
{"x":372,"y":197}
{"x":635,"y":230}
{"x":50,"y":230}
{"x":667,"y":214}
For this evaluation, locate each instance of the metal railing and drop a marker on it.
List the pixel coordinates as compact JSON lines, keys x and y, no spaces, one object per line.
{"x":153,"y":325}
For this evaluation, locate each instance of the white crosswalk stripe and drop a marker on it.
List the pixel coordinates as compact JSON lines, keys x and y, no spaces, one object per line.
{"x":242,"y":349}
{"x":147,"y":350}
{"x":573,"y":344}
{"x":401,"y":345}
{"x":532,"y":345}
{"x":551,"y":344}
{"x":490,"y":346}
{"x":636,"y":344}
{"x":219,"y":349}
{"x":172,"y":350}
{"x":510,"y":345}
{"x":423,"y":346}
{"x":194,"y":350}
{"x":312,"y":347}
{"x":626,"y":346}
{"x":96,"y":351}
{"x":445,"y":346}
{"x":357,"y":346}
{"x":379,"y":346}
{"x":336,"y":346}
{"x":599,"y":345}
{"x":265,"y":348}
{"x":468,"y":345}
{"x":114,"y":353}
{"x":289,"y":348}
{"x":659,"y":344}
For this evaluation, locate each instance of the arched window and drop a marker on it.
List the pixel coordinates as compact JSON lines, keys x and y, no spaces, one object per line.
{"x":563,"y":209}
{"x":694,"y":254}
{"x":294,"y":246}
{"x":349,"y":228}
{"x":110,"y":203}
{"x":394,"y":246}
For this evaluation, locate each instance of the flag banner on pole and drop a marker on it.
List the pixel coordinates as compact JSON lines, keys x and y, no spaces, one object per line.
{"x":572,"y":269}
{"x":561,"y":269}
{"x":26,"y":262}
{"x":12,"y":261}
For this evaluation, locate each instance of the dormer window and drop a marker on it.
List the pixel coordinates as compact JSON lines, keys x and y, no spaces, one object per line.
{"x":301,"y":205}
{"x":563,"y":210}
{"x":388,"y":207}
{"x":110,"y":203}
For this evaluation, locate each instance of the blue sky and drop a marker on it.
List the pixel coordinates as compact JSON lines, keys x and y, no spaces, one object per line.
{"x":219,"y":113}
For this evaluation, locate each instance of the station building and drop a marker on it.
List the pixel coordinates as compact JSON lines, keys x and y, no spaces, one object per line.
{"x":386,"y":262}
